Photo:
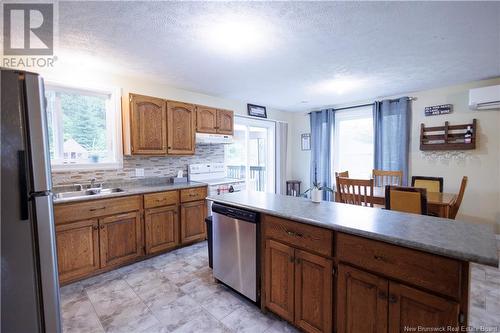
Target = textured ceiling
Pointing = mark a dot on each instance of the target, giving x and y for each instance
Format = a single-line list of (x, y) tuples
[(387, 47)]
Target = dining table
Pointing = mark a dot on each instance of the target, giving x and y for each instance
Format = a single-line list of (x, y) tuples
[(438, 203)]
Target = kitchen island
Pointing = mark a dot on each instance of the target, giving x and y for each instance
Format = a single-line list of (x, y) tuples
[(333, 267)]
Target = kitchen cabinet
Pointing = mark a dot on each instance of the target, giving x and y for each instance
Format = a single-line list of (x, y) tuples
[(181, 119), (298, 286), (193, 221), (161, 229), (369, 303), (206, 119), (120, 238), (225, 122), (77, 248), (144, 125), (215, 121)]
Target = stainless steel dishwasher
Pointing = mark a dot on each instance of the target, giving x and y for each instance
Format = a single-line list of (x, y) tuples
[(235, 249)]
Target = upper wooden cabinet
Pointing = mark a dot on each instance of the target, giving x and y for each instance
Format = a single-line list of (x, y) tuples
[(211, 120), (144, 125), (181, 120), (206, 119), (225, 121)]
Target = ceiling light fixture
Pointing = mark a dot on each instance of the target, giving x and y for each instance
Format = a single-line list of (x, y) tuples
[(237, 35), (339, 85)]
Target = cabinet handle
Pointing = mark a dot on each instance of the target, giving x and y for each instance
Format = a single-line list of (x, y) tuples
[(380, 258), (95, 227), (102, 227), (382, 295), (298, 261), (392, 299), (292, 259), (94, 209), (193, 194), (293, 233)]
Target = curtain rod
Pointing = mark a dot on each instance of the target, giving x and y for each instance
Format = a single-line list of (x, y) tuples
[(362, 105)]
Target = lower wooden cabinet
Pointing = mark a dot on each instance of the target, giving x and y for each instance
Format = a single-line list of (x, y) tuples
[(409, 307), (193, 221), (279, 283), (368, 303), (161, 229), (77, 248), (361, 301), (120, 238), (298, 286)]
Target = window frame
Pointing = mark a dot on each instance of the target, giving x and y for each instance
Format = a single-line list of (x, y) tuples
[(351, 114), (116, 123)]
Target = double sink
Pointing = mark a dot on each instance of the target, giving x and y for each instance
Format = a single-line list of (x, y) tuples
[(88, 192)]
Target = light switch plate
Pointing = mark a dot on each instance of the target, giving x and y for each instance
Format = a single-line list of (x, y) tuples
[(139, 172)]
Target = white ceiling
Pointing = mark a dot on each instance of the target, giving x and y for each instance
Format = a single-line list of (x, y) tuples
[(392, 47)]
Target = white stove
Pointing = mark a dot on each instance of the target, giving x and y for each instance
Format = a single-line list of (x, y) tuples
[(214, 174)]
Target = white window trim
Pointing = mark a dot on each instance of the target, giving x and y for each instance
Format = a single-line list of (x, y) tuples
[(115, 101)]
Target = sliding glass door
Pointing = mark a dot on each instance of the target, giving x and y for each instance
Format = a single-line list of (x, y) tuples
[(251, 157)]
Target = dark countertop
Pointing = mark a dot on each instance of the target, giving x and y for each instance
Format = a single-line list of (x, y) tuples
[(449, 238), (130, 188)]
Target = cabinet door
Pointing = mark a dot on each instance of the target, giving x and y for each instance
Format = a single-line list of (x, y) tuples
[(361, 301), (180, 128), (148, 125), (412, 308), (162, 229), (120, 238), (77, 249), (279, 275), (313, 292), (225, 121), (193, 221), (206, 119)]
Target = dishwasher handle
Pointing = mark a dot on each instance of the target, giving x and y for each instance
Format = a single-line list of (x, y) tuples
[(236, 213)]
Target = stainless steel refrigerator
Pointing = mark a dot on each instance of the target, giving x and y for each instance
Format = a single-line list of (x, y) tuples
[(30, 287)]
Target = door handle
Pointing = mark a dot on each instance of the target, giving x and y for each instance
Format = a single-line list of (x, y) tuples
[(23, 184)]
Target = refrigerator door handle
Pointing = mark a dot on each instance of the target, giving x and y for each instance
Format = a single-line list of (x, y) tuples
[(23, 185), (48, 262)]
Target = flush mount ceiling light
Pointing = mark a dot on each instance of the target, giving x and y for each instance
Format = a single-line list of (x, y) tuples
[(339, 86), (237, 35)]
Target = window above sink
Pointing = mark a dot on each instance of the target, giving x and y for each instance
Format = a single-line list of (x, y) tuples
[(84, 127)]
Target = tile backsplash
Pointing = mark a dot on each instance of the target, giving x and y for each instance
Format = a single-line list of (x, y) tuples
[(153, 166)]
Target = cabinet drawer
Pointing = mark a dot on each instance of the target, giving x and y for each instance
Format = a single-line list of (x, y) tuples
[(95, 208), (193, 194), (421, 269), (299, 235), (161, 199)]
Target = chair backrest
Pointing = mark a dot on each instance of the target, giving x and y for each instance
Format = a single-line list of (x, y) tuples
[(431, 184), (355, 191), (343, 174), (383, 177), (458, 201), (406, 199)]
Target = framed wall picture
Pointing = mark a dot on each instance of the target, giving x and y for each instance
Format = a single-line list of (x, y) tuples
[(256, 110), (305, 141)]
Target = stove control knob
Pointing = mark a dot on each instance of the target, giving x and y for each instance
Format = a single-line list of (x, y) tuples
[(231, 189)]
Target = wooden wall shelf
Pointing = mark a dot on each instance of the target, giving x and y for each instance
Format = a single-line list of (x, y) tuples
[(447, 137)]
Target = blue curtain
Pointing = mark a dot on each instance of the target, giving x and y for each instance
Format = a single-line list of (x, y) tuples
[(322, 127), (392, 123)]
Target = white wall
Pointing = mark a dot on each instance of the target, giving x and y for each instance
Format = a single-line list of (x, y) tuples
[(482, 197)]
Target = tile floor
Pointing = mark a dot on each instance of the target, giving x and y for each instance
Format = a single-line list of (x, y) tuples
[(175, 292)]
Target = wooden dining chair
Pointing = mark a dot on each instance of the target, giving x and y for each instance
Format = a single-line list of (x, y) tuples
[(343, 174), (431, 184), (406, 199), (458, 201), (355, 191), (383, 178)]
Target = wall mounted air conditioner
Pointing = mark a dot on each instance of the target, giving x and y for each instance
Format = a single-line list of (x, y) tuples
[(485, 98)]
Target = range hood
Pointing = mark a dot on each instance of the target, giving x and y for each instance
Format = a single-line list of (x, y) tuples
[(205, 138)]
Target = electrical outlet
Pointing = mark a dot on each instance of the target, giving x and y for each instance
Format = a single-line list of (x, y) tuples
[(139, 172)]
